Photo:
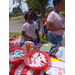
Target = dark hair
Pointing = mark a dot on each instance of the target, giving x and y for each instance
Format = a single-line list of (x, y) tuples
[(30, 8), (56, 2), (30, 14)]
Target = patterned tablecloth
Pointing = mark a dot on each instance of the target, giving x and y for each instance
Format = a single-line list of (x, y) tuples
[(22, 69)]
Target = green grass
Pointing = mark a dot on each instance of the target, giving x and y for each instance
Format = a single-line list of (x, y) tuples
[(22, 18), (38, 15), (63, 12), (42, 41)]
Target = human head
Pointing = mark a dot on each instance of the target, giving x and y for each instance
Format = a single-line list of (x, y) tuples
[(46, 15), (29, 17), (58, 5), (30, 9)]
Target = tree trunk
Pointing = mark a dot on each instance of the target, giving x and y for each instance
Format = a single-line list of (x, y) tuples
[(43, 12)]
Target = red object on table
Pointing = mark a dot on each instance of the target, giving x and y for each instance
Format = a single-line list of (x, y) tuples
[(15, 47), (19, 60), (55, 57), (21, 45), (22, 69), (10, 46), (40, 67)]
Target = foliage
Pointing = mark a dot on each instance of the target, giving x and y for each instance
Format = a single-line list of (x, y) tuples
[(34, 4), (64, 6), (20, 3), (38, 5), (17, 10)]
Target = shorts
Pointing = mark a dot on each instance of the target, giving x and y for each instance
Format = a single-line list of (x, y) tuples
[(55, 39), (30, 40)]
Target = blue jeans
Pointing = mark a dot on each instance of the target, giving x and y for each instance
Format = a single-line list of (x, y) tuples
[(26, 39), (55, 39)]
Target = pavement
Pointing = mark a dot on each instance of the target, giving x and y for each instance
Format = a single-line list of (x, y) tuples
[(14, 17), (16, 26)]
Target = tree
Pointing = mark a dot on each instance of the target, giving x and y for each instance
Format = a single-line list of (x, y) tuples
[(20, 3), (39, 5), (43, 4), (64, 6), (34, 4), (17, 10)]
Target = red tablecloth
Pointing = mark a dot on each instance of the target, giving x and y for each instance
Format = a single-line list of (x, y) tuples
[(22, 69)]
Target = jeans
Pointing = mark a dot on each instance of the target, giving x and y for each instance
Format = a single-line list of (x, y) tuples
[(26, 39), (55, 39)]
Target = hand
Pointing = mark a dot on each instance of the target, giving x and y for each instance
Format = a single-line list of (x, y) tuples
[(38, 40), (63, 28), (36, 20), (31, 38)]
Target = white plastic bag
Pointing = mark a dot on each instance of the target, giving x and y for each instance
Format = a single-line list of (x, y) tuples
[(61, 53), (15, 43)]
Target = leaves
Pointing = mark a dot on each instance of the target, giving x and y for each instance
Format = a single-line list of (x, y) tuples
[(34, 4), (17, 10)]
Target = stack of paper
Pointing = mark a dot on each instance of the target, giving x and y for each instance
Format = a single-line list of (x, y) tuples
[(55, 68)]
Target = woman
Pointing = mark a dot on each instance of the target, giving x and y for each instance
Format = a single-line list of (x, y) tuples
[(55, 23)]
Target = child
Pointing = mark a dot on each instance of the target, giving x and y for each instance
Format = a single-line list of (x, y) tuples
[(30, 28), (55, 23), (34, 15), (44, 31)]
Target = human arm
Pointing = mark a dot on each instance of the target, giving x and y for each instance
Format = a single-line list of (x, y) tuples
[(51, 28), (37, 33), (45, 23), (36, 17), (23, 34)]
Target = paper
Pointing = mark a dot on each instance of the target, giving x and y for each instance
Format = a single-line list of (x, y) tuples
[(55, 71), (61, 53), (56, 68)]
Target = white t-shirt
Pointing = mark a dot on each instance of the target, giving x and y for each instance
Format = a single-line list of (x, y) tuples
[(30, 28), (58, 20)]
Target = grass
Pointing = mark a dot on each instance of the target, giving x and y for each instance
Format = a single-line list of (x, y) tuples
[(38, 15), (42, 41), (63, 12), (20, 18)]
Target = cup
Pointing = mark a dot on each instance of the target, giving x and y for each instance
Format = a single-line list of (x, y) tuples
[(27, 46), (35, 40)]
